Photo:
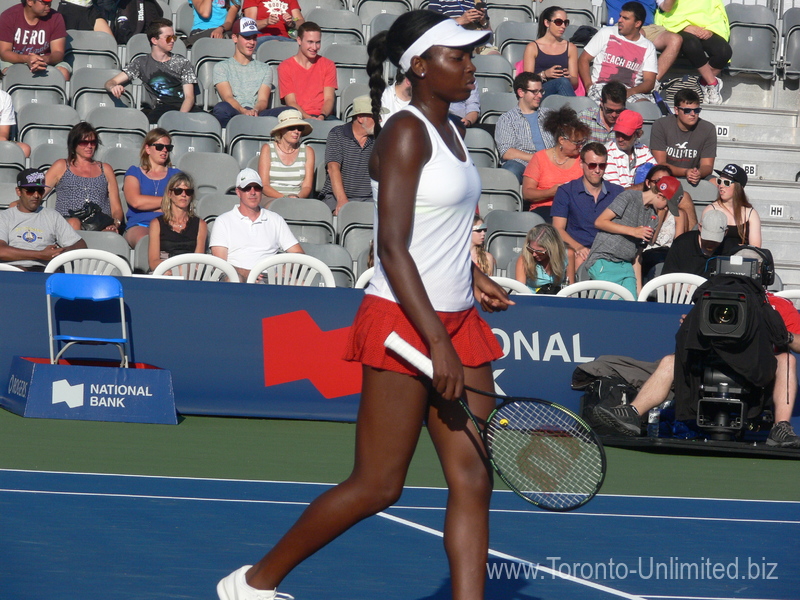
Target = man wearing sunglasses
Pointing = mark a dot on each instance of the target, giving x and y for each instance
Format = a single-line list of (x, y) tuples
[(602, 118), (248, 233), (621, 54), (519, 133), (30, 234), (684, 141), (168, 78), (34, 35)]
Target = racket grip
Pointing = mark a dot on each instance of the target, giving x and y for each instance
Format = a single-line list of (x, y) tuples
[(410, 354)]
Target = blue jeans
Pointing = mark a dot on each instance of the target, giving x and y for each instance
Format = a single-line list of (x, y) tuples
[(224, 112), (558, 87), (517, 168)]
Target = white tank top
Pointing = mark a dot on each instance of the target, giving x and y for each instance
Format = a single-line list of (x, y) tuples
[(447, 196)]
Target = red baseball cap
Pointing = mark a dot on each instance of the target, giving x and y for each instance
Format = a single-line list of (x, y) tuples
[(668, 187), (628, 122)]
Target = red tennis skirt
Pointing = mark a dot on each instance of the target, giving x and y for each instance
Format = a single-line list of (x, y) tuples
[(377, 318)]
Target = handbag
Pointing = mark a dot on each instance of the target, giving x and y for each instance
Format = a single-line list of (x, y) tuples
[(92, 217)]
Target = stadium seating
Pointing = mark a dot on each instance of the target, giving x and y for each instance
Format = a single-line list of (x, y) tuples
[(494, 74), (192, 132), (292, 269), (310, 220), (754, 39), (579, 11), (12, 161), (119, 127), (91, 49), (206, 53), (338, 26), (213, 172), (89, 92), (46, 124), (336, 258), (517, 11), (246, 135), (25, 88)]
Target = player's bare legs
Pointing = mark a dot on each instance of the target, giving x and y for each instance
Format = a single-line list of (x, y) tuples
[(469, 480)]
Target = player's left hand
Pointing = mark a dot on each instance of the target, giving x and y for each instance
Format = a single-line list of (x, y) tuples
[(491, 296)]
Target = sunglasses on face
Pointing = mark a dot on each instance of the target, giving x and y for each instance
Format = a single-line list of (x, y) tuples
[(295, 128), (690, 111), (160, 147), (252, 187), (170, 38), (579, 143), (593, 165), (560, 22), (33, 190), (724, 182), (612, 111), (183, 191), (536, 252), (479, 228), (87, 143)]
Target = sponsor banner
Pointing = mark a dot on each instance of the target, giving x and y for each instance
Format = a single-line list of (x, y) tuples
[(36, 388)]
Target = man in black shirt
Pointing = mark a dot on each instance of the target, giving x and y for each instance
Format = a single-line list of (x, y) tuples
[(691, 251)]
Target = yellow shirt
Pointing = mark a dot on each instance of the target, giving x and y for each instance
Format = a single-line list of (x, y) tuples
[(709, 14)]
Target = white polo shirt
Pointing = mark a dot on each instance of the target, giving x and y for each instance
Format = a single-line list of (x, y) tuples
[(249, 241)]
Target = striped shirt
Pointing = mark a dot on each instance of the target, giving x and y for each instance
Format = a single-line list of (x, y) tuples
[(343, 148), (287, 179), (620, 169), (591, 116)]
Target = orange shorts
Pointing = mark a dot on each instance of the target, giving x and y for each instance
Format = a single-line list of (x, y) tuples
[(377, 318)]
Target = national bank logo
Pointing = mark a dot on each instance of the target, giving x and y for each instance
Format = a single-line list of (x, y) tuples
[(72, 395)]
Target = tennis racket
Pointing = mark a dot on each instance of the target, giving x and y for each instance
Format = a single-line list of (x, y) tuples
[(545, 453)]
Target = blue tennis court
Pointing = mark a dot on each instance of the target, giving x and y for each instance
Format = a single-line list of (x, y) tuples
[(87, 537)]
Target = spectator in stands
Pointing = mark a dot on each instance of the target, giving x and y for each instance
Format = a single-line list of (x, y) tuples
[(30, 234), (577, 205), (669, 226), (466, 112), (307, 80), (168, 78), (8, 119), (602, 118), (626, 418), (470, 15), (550, 168), (542, 265), (551, 57), (286, 166), (621, 54), (243, 83), (703, 26), (684, 141), (347, 154), (667, 43), (83, 15), (144, 185), (616, 250), (691, 251), (212, 18), (519, 132), (33, 34), (247, 233), (480, 256), (80, 181), (396, 97), (626, 153), (744, 224), (178, 230), (275, 20)]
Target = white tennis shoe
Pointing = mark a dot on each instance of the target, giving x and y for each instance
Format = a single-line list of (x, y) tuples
[(235, 587)]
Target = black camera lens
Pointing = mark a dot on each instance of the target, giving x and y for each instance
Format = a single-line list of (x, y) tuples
[(723, 314)]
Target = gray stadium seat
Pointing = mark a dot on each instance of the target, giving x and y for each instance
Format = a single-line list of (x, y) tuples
[(310, 220), (338, 260), (213, 172), (518, 11), (481, 147), (89, 92), (45, 123), (505, 233), (754, 40), (351, 63), (184, 19), (350, 93), (791, 44), (12, 161), (649, 111), (26, 88), (500, 191), (44, 155), (494, 104), (207, 52), (511, 38), (354, 226), (367, 10), (210, 206), (306, 6), (494, 74), (108, 241), (381, 22), (338, 26), (120, 127), (120, 159), (578, 103), (91, 49), (192, 132), (579, 12), (274, 52), (246, 135)]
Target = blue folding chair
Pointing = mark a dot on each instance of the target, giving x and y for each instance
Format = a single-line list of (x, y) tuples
[(96, 288)]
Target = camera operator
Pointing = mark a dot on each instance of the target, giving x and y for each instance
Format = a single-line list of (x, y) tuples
[(626, 418), (691, 252)]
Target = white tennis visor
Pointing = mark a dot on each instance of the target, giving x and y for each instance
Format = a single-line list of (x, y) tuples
[(447, 33)]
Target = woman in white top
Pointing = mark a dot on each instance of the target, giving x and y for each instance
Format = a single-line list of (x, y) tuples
[(286, 166), (425, 286)]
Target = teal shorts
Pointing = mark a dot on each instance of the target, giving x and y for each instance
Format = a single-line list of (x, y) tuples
[(615, 272)]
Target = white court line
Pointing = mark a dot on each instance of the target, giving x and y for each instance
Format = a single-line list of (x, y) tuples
[(504, 556), (705, 598)]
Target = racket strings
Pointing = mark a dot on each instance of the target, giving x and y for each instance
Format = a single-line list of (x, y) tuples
[(545, 454)]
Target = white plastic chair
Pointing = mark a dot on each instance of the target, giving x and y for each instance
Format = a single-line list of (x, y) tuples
[(90, 262), (8, 267), (597, 289), (364, 278), (291, 269), (513, 286), (198, 267), (673, 288)]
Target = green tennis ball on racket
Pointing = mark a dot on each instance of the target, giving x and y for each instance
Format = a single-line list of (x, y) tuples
[(504, 422)]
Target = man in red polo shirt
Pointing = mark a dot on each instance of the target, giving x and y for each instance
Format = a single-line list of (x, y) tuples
[(307, 80)]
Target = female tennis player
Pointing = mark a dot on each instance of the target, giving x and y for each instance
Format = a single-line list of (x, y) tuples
[(424, 287)]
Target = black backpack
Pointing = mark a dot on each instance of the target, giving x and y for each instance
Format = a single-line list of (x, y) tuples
[(130, 17)]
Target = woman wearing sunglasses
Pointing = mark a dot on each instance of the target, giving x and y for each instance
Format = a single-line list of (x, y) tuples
[(145, 185), (483, 259), (80, 181), (286, 166), (178, 230), (744, 223), (552, 57), (543, 261)]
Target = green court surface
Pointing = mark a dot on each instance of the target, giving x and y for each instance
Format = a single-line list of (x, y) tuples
[(281, 450)]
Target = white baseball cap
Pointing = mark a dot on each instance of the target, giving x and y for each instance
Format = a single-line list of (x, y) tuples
[(246, 177)]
